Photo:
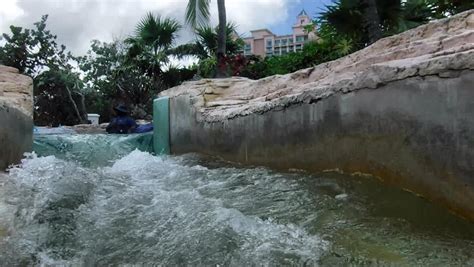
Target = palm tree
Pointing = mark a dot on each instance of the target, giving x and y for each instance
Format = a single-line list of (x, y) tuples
[(378, 17), (371, 20), (148, 47), (445, 8), (157, 32), (197, 15), (415, 13), (206, 43)]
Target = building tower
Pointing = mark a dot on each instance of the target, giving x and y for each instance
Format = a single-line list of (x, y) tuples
[(265, 43)]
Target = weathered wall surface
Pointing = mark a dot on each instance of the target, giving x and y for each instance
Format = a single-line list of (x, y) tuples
[(401, 109), (16, 116)]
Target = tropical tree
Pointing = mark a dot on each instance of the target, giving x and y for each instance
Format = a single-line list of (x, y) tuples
[(111, 78), (148, 47), (58, 98), (415, 13), (57, 87), (206, 44), (378, 18), (197, 15), (371, 20), (445, 8), (133, 71), (33, 50), (363, 21)]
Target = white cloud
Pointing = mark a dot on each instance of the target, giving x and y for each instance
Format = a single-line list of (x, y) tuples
[(77, 22), (251, 15), (9, 11)]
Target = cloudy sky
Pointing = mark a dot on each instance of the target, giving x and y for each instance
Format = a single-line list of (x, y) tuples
[(77, 22)]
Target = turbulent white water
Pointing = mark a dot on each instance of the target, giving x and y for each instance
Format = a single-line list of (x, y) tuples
[(82, 206)]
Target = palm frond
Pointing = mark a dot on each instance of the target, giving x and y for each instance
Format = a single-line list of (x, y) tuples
[(191, 49), (157, 32), (198, 13)]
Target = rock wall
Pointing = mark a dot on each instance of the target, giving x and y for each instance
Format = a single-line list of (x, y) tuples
[(16, 116), (401, 109)]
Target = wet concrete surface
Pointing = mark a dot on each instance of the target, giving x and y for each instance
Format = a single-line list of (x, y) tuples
[(414, 133), (16, 135)]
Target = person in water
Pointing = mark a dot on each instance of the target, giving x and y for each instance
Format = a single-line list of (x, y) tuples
[(122, 123)]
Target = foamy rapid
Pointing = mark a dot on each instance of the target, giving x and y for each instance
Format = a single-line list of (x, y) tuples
[(96, 200)]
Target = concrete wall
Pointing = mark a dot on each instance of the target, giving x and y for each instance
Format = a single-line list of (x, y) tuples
[(416, 133), (16, 116), (258, 47), (16, 135)]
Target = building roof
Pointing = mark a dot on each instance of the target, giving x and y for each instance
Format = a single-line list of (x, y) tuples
[(262, 30), (283, 36), (302, 13)]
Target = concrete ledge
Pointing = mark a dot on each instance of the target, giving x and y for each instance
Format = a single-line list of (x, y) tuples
[(415, 133)]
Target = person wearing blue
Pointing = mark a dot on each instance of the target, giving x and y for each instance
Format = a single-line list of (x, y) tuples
[(122, 123)]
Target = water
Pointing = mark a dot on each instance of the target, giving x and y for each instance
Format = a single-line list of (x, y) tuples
[(93, 200)]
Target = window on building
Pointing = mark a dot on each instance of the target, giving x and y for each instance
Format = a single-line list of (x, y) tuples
[(269, 43), (277, 42), (283, 42), (290, 40), (269, 54), (247, 49), (298, 47), (300, 39), (277, 51), (291, 48)]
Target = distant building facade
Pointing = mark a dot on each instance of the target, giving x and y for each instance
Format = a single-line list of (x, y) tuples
[(264, 43)]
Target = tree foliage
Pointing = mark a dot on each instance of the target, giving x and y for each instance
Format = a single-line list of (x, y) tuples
[(133, 71), (342, 29), (148, 48), (349, 17), (32, 50), (130, 72), (157, 33), (57, 88), (314, 52), (197, 15), (205, 45), (205, 49), (110, 80), (445, 8), (58, 98)]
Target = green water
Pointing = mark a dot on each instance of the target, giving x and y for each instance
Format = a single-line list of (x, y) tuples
[(94, 200)]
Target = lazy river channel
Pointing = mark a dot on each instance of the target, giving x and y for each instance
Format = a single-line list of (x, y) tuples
[(98, 200)]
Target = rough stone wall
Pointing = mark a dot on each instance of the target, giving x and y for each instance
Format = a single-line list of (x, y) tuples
[(401, 109), (16, 115)]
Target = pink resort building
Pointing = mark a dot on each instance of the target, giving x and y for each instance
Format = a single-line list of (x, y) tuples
[(265, 43)]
